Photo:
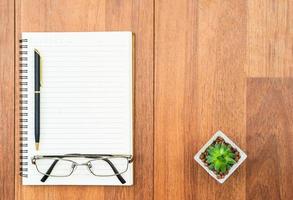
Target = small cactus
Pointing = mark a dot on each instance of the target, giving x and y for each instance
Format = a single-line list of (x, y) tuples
[(220, 158)]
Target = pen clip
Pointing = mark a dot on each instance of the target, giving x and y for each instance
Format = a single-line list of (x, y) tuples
[(41, 68), (41, 71)]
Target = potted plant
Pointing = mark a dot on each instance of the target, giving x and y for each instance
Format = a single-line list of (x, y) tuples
[(220, 157)]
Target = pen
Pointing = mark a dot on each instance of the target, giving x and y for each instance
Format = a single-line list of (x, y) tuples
[(37, 97)]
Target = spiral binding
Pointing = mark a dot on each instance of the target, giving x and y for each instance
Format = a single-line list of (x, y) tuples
[(23, 77)]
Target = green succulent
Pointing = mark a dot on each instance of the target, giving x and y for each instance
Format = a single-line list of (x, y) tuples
[(220, 157)]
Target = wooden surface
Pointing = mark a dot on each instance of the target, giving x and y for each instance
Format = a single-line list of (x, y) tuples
[(199, 89), (269, 138), (194, 63), (6, 100), (269, 38)]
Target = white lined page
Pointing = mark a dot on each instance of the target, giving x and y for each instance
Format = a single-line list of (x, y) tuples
[(86, 99)]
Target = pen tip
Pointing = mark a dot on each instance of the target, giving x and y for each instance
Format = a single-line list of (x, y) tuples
[(37, 146)]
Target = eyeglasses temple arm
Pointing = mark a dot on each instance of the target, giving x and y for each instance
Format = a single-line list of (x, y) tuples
[(121, 179), (45, 177)]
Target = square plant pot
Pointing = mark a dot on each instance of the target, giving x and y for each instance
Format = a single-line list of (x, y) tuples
[(207, 159)]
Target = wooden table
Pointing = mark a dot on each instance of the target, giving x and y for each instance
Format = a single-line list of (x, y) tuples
[(200, 66)]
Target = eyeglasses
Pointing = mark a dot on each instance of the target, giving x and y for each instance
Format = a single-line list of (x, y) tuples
[(102, 165)]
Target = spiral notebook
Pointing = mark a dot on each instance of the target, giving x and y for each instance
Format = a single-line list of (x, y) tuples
[(86, 100)]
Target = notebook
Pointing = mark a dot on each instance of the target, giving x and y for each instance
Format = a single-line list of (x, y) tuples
[(86, 100)]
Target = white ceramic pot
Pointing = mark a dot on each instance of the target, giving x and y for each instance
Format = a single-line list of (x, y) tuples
[(243, 156)]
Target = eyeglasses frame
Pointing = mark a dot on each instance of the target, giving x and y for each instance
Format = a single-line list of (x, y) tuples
[(104, 157)]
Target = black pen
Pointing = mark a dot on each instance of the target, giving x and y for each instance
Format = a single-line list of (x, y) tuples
[(37, 97)]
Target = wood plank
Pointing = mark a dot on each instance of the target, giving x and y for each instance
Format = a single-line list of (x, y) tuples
[(199, 88), (269, 138), (110, 15), (7, 100), (175, 46), (270, 38), (221, 87)]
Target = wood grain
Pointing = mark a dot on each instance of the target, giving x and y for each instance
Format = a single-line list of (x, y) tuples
[(221, 87), (199, 88), (7, 100), (270, 38), (192, 62), (175, 48), (269, 138), (104, 15)]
